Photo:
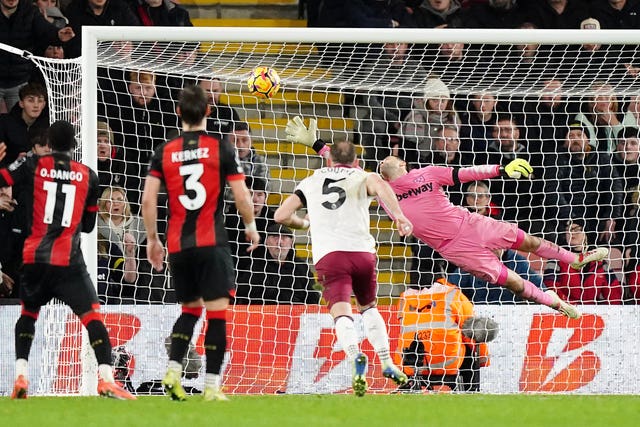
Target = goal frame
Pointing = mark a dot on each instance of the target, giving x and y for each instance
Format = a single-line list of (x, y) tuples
[(91, 35)]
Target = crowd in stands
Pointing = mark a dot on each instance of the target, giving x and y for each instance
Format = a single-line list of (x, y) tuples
[(584, 149)]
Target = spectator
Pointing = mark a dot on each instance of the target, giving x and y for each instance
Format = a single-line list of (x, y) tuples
[(626, 165), (557, 14), (111, 166), (143, 122), (632, 115), (594, 284), (478, 123), (477, 198), (616, 14), (379, 128), (632, 274), (23, 26), (547, 119), (222, 117), (429, 113), (26, 118), (601, 116), (238, 244), (350, 14), (253, 164), (96, 12), (432, 347), (160, 13), (495, 14), (585, 186), (49, 9), (54, 52), (515, 196), (439, 14), (10, 249), (115, 219), (455, 63), (278, 276), (117, 270)]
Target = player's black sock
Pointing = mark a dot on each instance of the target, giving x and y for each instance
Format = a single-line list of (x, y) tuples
[(99, 340), (25, 330), (215, 344), (181, 336)]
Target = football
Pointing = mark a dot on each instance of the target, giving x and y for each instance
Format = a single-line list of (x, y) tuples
[(264, 82)]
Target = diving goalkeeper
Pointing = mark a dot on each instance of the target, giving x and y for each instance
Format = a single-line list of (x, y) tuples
[(467, 239)]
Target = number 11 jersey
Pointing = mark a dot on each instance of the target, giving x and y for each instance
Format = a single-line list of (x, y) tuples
[(65, 196), (337, 201)]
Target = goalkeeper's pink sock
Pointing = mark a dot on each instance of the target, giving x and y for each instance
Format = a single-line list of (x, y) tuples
[(548, 250), (532, 293)]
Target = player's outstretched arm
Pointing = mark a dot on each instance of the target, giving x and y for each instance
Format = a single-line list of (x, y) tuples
[(376, 186), (155, 250), (286, 213), (298, 133), (244, 204)]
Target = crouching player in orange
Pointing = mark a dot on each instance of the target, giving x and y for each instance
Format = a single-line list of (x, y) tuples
[(441, 344)]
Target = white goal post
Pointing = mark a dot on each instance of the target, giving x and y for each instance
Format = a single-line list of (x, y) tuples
[(359, 90)]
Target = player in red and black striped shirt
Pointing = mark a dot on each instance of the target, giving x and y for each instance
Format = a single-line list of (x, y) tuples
[(194, 168), (65, 196)]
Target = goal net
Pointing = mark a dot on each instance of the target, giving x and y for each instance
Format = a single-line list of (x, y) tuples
[(566, 101)]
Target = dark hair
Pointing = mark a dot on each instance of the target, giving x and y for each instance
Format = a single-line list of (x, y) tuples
[(629, 132), (193, 104), (39, 137), (256, 184), (241, 126), (62, 136), (343, 152), (32, 89)]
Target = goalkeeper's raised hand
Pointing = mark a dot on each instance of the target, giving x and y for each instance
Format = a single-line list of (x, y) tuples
[(297, 132), (518, 168)]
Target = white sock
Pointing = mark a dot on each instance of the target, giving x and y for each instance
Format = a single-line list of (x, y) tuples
[(22, 367), (174, 366), (106, 373), (347, 337), (377, 335), (213, 380)]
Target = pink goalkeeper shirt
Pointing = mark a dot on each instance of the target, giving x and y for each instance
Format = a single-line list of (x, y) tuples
[(421, 195)]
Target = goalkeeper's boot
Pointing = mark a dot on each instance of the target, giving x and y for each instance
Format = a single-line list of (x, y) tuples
[(113, 391), (20, 388), (598, 254), (214, 394), (391, 371), (360, 375), (172, 386), (564, 307)]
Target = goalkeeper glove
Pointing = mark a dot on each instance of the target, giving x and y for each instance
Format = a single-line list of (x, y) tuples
[(297, 132), (518, 168)]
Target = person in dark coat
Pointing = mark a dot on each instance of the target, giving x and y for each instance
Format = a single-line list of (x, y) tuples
[(160, 13), (82, 13), (23, 27)]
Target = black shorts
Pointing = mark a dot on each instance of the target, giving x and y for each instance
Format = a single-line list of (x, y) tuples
[(205, 273), (71, 285)]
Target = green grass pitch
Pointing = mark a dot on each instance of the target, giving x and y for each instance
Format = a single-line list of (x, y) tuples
[(328, 410)]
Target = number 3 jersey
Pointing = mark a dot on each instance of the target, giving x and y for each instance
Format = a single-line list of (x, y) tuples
[(64, 203), (194, 168), (338, 206)]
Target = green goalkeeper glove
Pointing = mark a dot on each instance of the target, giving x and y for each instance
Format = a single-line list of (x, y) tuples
[(297, 132), (518, 168)]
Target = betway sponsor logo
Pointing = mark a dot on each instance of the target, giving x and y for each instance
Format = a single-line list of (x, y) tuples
[(415, 191)]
